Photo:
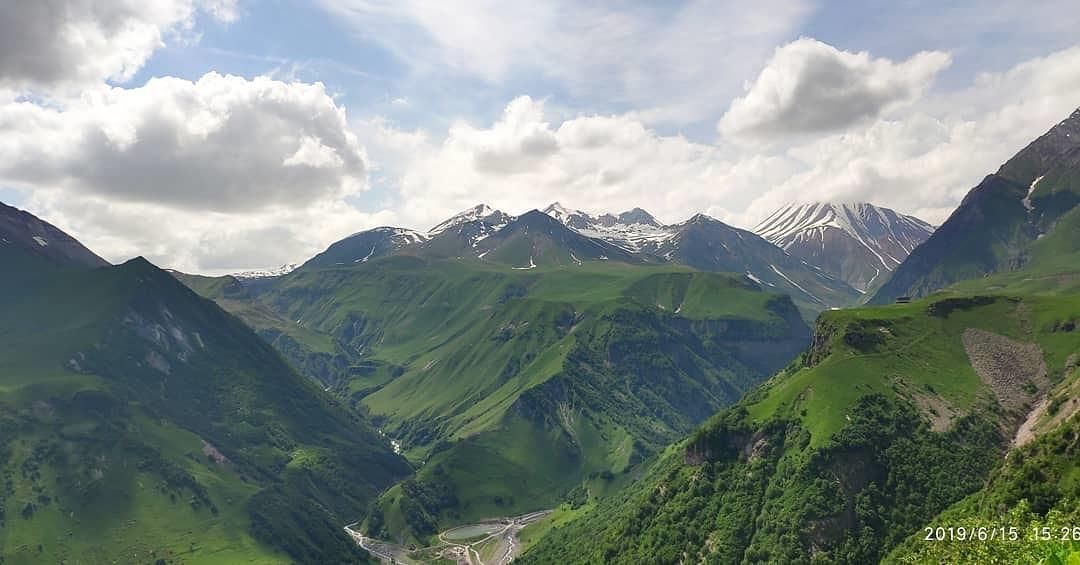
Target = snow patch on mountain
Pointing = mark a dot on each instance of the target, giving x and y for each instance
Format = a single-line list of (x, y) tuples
[(267, 273), (796, 285), (1031, 190), (401, 236)]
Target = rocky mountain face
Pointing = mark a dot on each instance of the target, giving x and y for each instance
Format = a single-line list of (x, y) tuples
[(1021, 217), (858, 243)]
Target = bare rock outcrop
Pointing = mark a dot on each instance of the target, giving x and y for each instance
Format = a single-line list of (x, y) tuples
[(1014, 370)]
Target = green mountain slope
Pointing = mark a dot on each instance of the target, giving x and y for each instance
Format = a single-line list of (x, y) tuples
[(1000, 225), (140, 422), (893, 414), (1030, 508), (313, 354), (512, 387)]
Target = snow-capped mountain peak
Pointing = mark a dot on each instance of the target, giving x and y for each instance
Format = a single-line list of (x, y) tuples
[(478, 212), (571, 218), (855, 241), (561, 213)]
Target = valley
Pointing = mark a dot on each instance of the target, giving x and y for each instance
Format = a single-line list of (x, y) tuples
[(491, 542), (545, 388)]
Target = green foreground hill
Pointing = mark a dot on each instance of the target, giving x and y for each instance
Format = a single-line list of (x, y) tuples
[(141, 423), (894, 414)]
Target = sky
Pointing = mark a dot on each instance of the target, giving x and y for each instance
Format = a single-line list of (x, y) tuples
[(216, 136)]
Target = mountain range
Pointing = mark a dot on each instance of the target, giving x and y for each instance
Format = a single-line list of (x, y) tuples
[(527, 320), (560, 236)]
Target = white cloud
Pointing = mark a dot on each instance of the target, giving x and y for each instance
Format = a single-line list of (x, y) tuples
[(596, 163), (313, 154), (198, 175), (668, 61), (202, 242), (222, 143), (222, 10), (925, 160), (227, 173), (809, 86), (47, 44)]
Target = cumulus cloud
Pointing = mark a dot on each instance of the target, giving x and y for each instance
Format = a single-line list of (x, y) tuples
[(55, 43), (596, 163), (199, 174), (221, 143), (226, 173), (809, 86)]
